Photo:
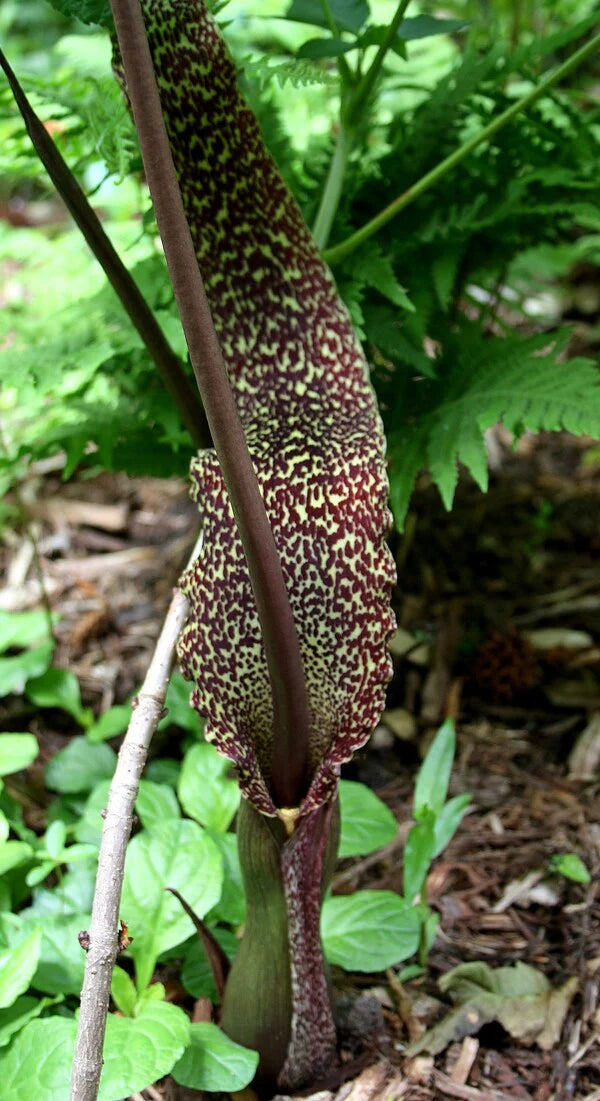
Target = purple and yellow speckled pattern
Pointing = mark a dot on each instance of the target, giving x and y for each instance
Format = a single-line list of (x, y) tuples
[(314, 433)]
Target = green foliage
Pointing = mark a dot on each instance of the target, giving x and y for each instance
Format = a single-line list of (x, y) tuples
[(367, 824), (571, 866), (369, 930), (212, 1061)]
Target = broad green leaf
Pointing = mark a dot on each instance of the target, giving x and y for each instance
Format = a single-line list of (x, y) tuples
[(317, 48), (231, 907), (369, 930), (178, 854), (22, 629), (13, 853), (88, 829), (80, 766), (54, 839), (17, 751), (153, 993), (425, 26), (73, 895), (59, 688), (17, 967), (348, 15), (40, 1056), (62, 960), (196, 974), (136, 1053), (123, 991), (15, 1018), (367, 823), (204, 790), (164, 770), (448, 820), (113, 722), (155, 803), (4, 827), (16, 671), (179, 709), (139, 1050), (213, 1062), (418, 854), (431, 787)]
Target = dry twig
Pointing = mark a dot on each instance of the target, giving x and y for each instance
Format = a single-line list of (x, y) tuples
[(103, 932)]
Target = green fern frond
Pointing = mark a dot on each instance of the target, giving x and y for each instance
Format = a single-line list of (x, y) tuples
[(299, 72), (521, 382)]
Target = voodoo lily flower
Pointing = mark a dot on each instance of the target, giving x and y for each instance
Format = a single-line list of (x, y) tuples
[(302, 388)]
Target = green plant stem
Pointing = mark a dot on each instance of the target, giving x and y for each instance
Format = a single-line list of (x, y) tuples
[(365, 87), (174, 377), (339, 252), (333, 187), (422, 952), (289, 779), (343, 66)]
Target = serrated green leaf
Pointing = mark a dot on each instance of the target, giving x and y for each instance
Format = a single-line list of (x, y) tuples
[(433, 777), (177, 854), (205, 791), (369, 930), (17, 967), (213, 1062), (80, 766), (155, 803), (59, 688), (366, 822), (17, 751)]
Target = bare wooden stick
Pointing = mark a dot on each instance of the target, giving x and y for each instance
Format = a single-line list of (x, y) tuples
[(103, 931)]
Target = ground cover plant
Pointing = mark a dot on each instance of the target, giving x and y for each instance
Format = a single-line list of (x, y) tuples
[(432, 334)]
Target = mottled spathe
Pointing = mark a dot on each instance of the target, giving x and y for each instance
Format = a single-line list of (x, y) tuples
[(314, 433)]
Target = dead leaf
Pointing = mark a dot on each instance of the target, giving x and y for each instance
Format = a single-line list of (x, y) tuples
[(519, 997)]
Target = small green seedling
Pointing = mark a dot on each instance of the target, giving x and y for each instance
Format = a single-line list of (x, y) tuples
[(571, 866), (436, 822)]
